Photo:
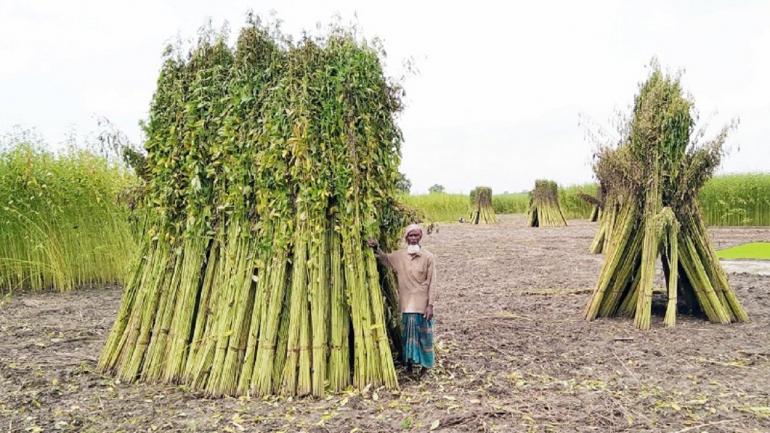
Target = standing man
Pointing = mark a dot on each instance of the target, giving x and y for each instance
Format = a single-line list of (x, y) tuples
[(417, 293)]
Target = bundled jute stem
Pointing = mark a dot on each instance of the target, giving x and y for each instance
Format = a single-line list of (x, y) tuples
[(596, 213), (544, 209), (652, 179), (610, 208), (481, 206), (269, 166), (596, 202)]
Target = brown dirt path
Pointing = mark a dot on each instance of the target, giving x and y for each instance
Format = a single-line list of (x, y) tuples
[(514, 355)]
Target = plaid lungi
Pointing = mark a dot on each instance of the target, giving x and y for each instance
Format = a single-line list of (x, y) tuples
[(417, 339)]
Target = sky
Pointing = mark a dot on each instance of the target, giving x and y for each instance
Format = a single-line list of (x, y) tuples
[(498, 94)]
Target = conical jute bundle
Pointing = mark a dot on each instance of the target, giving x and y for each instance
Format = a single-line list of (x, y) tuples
[(481, 206), (655, 174), (270, 165), (544, 209)]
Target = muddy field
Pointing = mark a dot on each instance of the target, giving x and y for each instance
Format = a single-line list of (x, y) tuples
[(513, 353)]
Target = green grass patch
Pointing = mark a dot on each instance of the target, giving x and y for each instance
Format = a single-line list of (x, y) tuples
[(752, 250)]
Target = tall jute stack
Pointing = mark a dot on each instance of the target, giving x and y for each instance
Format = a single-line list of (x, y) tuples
[(270, 164)]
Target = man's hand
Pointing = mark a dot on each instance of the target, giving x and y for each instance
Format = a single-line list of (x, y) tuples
[(373, 244), (428, 312)]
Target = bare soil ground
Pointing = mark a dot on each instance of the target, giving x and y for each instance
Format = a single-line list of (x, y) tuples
[(513, 353)]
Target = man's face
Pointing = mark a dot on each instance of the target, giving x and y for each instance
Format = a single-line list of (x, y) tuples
[(413, 238)]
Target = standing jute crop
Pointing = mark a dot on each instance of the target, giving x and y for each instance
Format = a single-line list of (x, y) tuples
[(544, 209), (269, 165), (61, 224), (481, 206), (655, 174)]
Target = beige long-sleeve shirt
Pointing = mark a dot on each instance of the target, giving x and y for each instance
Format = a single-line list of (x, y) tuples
[(416, 275)]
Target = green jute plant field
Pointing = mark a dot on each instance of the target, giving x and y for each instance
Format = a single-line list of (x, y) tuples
[(63, 223), (737, 200)]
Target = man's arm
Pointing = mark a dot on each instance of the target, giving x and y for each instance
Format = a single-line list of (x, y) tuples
[(432, 288), (382, 256)]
